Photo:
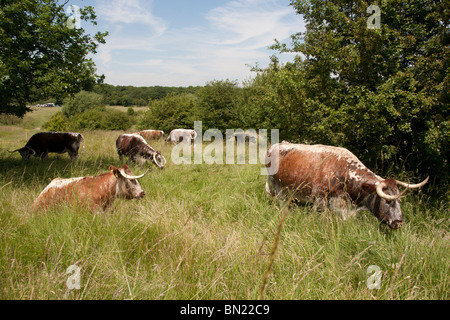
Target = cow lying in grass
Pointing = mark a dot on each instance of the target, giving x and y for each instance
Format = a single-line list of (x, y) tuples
[(96, 192)]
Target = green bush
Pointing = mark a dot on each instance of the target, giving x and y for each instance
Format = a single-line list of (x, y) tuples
[(101, 118), (81, 102), (88, 120), (174, 111), (115, 120), (57, 123)]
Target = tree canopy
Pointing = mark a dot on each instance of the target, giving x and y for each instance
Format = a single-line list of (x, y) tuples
[(43, 54), (381, 92)]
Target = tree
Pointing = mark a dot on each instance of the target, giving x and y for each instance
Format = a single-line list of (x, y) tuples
[(42, 54), (218, 104), (82, 101), (383, 93), (172, 112)]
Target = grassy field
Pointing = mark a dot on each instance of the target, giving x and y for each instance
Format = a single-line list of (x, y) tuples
[(205, 232)]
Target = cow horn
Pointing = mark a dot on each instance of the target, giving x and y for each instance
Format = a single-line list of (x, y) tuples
[(385, 196), (412, 186), (34, 152), (159, 164), (122, 172), (14, 150)]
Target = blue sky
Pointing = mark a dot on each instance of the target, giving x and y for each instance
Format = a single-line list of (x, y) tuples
[(190, 42)]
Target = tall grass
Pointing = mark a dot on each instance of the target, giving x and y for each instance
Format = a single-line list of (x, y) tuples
[(207, 232)]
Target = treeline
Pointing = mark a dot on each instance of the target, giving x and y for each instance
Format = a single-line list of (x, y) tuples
[(136, 96)]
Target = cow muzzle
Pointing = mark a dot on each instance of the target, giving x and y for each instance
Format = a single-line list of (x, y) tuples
[(140, 195), (396, 224)]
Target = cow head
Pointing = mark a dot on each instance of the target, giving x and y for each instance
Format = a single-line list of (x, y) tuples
[(25, 152), (127, 185), (384, 200), (154, 156), (158, 159)]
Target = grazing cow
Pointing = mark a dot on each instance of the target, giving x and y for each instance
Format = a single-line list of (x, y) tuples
[(151, 134), (136, 148), (41, 143), (97, 192), (332, 176), (178, 135)]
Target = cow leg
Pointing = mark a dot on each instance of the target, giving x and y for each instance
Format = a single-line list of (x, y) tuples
[(269, 186), (120, 156), (274, 189), (73, 156), (343, 206)]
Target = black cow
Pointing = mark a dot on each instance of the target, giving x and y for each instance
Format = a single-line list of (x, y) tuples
[(136, 148), (42, 143)]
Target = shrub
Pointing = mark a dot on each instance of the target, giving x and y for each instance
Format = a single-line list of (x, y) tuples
[(101, 118), (81, 102), (57, 123)]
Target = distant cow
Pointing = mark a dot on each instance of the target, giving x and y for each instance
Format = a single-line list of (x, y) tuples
[(97, 192), (136, 148), (42, 143), (332, 176), (179, 135), (151, 134)]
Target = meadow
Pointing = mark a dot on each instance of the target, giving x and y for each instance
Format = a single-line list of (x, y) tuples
[(205, 232)]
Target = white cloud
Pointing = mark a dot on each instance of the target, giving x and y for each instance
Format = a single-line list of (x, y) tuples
[(131, 12), (219, 47), (257, 22)]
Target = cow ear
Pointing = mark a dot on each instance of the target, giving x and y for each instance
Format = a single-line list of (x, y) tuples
[(368, 187), (115, 171), (125, 167)]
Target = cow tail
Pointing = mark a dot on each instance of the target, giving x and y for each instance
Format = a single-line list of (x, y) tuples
[(82, 138)]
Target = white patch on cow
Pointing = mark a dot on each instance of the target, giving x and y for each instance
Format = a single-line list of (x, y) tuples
[(340, 153), (59, 183), (354, 176), (319, 148), (139, 137)]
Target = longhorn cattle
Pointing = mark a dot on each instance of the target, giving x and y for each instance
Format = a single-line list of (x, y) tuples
[(179, 135), (335, 177), (97, 192), (151, 134), (42, 143), (136, 148)]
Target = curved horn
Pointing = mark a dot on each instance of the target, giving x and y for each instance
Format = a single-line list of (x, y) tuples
[(159, 164), (412, 186), (34, 152), (122, 172), (385, 196), (14, 150)]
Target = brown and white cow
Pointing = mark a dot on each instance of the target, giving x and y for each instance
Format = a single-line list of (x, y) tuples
[(42, 143), (151, 134), (96, 192), (135, 147), (333, 176), (179, 135)]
